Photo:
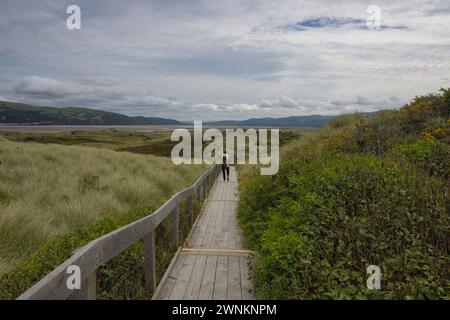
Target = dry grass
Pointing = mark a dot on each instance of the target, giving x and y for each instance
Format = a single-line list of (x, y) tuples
[(48, 189)]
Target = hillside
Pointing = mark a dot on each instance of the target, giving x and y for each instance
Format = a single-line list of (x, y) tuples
[(19, 113), (361, 191), (313, 121)]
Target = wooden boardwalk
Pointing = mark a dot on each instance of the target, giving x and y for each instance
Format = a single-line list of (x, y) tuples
[(213, 264)]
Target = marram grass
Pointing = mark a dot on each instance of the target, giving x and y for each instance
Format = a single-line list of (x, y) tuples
[(48, 190)]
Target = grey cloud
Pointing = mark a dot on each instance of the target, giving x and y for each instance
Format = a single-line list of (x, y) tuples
[(221, 60), (226, 62), (371, 105), (44, 88)]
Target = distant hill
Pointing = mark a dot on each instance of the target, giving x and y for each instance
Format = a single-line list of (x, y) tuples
[(18, 113), (313, 121)]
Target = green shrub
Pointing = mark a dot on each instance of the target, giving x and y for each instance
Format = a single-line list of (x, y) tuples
[(326, 217), (429, 155), (361, 191), (428, 115)]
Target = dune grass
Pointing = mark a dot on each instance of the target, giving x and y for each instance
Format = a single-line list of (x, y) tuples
[(155, 142), (48, 190)]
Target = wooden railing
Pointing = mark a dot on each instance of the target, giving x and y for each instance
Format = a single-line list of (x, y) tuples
[(99, 251)]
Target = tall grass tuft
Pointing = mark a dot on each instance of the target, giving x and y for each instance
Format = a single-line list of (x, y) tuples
[(51, 190)]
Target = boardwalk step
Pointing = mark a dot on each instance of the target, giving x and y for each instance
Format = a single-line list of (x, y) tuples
[(217, 252)]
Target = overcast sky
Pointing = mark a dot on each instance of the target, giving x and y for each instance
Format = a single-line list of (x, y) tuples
[(223, 59)]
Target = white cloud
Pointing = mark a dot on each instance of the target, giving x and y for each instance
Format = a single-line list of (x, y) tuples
[(44, 87)]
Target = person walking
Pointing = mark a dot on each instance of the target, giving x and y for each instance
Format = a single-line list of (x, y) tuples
[(226, 167)]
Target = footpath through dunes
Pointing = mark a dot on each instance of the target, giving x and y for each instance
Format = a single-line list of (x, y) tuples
[(213, 264)]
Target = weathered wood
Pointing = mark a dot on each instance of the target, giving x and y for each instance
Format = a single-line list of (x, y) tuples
[(207, 287), (221, 279), (103, 249), (88, 290), (167, 282), (218, 252), (190, 209), (150, 261), (234, 291), (195, 281), (179, 289), (216, 231), (198, 196), (248, 291), (174, 219)]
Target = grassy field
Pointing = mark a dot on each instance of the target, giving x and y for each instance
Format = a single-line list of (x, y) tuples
[(156, 143), (49, 190), (361, 191)]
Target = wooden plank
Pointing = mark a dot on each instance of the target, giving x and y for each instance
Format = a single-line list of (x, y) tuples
[(223, 234), (215, 231), (164, 289), (174, 220), (221, 279), (209, 274), (190, 208), (234, 279), (239, 234), (150, 261), (208, 221), (217, 252), (204, 238), (195, 282), (228, 230), (179, 289), (88, 290), (248, 291), (231, 241)]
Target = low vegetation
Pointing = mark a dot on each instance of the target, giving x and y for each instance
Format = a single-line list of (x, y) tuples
[(155, 142), (361, 191), (55, 198)]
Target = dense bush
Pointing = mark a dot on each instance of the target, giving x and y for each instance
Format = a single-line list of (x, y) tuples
[(361, 191), (330, 216), (429, 155)]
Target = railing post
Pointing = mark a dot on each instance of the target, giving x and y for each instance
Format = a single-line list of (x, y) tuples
[(205, 189), (150, 260), (174, 226), (211, 181), (197, 195), (190, 208), (88, 290)]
